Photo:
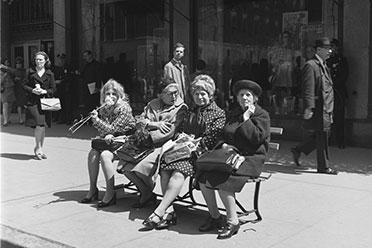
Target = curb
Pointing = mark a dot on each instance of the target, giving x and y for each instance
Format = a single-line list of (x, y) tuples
[(11, 237)]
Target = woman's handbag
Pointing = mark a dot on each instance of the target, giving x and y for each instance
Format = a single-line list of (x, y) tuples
[(181, 148), (220, 160), (100, 144), (131, 153), (50, 104)]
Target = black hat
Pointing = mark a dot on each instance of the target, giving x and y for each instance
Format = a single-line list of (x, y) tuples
[(61, 55), (322, 42), (247, 84)]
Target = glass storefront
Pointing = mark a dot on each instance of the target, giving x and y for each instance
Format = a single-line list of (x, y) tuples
[(136, 34), (267, 41)]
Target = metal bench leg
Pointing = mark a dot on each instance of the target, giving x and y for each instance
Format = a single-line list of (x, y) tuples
[(255, 201), (191, 190)]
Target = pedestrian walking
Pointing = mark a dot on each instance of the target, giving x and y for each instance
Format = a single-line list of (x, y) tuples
[(318, 102), (40, 83)]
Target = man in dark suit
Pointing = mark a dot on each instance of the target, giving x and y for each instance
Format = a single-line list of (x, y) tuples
[(91, 74), (318, 101), (338, 65)]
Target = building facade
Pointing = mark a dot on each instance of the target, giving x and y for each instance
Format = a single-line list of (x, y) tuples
[(265, 40)]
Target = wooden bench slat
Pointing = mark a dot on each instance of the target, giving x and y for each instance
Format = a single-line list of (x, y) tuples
[(274, 145), (276, 130)]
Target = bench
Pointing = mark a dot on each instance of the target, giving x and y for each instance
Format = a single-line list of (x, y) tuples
[(189, 198)]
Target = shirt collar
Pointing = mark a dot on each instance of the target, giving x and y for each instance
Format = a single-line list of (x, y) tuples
[(320, 59)]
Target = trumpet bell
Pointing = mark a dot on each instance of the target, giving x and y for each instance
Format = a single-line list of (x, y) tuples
[(78, 124)]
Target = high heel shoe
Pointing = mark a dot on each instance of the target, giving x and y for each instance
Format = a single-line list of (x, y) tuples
[(102, 204), (94, 197), (139, 204), (149, 223), (38, 155), (168, 221), (228, 231)]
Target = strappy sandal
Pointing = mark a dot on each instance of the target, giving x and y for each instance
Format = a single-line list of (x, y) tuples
[(149, 223)]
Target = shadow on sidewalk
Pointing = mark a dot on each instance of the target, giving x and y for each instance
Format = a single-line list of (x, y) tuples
[(17, 156), (350, 160), (189, 218), (57, 130)]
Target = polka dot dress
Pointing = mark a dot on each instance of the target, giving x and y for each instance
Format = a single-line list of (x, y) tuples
[(214, 118), (185, 166)]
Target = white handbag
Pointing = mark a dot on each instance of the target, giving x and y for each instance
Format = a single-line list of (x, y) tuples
[(50, 104)]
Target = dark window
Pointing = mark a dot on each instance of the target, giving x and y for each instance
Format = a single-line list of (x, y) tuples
[(131, 19), (31, 11), (315, 11)]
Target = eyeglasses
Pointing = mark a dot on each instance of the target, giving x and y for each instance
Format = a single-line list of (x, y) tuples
[(171, 93)]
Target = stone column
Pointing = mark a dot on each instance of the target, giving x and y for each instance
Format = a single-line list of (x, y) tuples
[(60, 29)]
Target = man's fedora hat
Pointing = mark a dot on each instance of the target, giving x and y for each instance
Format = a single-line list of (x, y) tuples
[(322, 42), (249, 85)]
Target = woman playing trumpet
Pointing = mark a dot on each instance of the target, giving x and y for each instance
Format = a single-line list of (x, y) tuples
[(113, 119)]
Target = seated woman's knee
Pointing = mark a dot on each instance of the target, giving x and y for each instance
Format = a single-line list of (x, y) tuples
[(177, 175), (106, 154)]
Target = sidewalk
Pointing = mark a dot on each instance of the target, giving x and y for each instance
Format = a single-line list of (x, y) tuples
[(300, 208)]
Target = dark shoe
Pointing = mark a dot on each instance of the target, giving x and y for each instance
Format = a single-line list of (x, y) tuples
[(228, 231), (5, 124), (94, 197), (165, 223), (102, 204), (139, 204), (211, 224), (44, 156), (149, 223), (296, 155), (328, 171)]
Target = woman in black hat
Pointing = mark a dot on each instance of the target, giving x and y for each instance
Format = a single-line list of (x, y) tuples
[(247, 130)]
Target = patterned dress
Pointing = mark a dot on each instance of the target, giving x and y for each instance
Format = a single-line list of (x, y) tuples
[(117, 122), (213, 120)]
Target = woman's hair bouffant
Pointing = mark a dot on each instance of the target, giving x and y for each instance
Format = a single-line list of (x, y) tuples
[(203, 82), (48, 64)]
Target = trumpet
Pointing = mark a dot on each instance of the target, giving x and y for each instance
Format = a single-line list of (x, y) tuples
[(83, 120)]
